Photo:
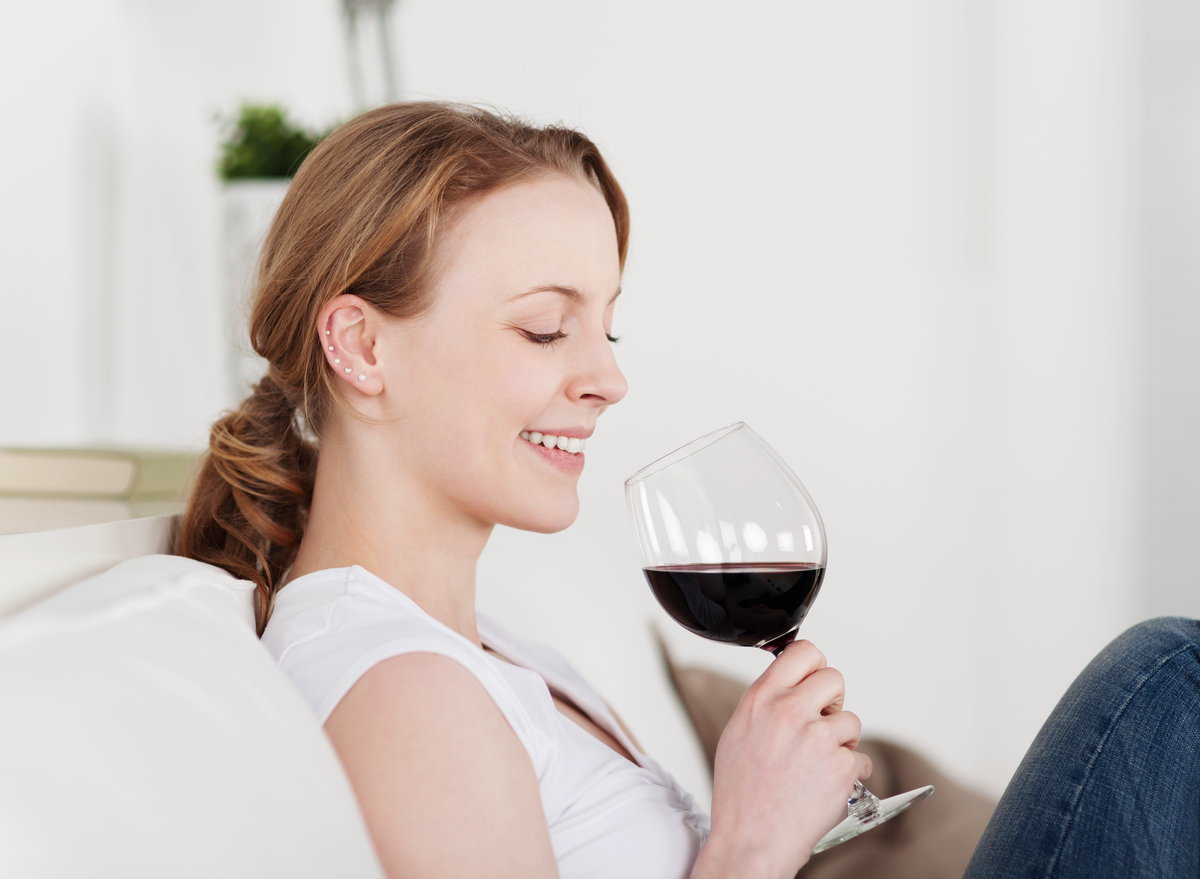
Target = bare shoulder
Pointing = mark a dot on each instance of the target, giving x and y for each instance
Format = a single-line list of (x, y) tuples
[(445, 784)]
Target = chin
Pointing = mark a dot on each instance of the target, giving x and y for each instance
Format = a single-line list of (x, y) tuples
[(546, 519)]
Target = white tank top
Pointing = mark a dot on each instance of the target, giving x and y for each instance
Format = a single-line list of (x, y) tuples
[(607, 817)]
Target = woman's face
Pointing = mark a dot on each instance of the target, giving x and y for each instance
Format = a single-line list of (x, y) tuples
[(516, 344)]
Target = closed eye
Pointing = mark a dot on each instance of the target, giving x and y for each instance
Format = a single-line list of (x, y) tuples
[(551, 338), (544, 338)]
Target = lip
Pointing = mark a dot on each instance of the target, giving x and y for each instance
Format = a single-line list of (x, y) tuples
[(564, 462)]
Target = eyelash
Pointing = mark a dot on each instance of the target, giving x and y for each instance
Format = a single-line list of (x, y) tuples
[(544, 338), (551, 338)]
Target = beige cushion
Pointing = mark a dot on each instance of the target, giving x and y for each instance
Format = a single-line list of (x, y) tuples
[(146, 732)]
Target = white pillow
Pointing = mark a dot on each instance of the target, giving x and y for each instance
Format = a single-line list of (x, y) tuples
[(144, 731)]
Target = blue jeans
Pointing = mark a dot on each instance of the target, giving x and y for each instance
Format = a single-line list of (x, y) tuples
[(1111, 785)]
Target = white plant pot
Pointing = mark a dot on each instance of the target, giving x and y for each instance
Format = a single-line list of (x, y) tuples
[(248, 206)]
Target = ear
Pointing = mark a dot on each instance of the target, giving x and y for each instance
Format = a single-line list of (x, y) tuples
[(349, 333)]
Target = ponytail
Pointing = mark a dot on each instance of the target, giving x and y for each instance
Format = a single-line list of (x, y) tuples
[(252, 495)]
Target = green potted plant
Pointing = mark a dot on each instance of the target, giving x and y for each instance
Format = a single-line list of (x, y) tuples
[(262, 143), (260, 150)]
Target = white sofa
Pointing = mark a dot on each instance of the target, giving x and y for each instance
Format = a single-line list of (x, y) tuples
[(145, 731)]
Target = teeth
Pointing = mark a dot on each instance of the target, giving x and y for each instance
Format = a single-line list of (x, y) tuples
[(572, 444)]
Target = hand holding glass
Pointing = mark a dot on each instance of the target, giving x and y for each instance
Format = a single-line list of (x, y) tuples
[(734, 550)]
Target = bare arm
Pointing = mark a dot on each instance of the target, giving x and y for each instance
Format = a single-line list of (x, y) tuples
[(445, 785)]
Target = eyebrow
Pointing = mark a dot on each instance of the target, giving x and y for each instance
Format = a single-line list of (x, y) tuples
[(570, 292)]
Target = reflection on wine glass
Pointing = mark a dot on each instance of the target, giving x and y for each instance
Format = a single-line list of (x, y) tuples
[(734, 550)]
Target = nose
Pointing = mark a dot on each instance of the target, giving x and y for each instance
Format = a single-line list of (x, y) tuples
[(599, 380)]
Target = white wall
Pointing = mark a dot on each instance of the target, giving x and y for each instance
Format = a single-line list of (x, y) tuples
[(903, 240), (110, 233), (1169, 235)]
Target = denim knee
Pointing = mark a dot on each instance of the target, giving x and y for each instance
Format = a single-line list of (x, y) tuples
[(1162, 634), (1111, 786)]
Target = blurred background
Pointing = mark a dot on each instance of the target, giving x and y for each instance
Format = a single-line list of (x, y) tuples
[(940, 253)]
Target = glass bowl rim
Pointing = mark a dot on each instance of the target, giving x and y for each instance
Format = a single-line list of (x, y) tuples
[(686, 451)]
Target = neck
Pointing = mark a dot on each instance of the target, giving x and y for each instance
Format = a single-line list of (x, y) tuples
[(368, 510)]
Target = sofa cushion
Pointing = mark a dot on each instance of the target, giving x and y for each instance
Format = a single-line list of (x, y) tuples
[(146, 732)]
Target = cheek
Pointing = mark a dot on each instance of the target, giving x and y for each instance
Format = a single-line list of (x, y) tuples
[(532, 391), (516, 390), (448, 384), (476, 397)]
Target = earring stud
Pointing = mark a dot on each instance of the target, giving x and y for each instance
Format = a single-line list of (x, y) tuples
[(330, 347), (327, 332), (362, 377), (348, 370)]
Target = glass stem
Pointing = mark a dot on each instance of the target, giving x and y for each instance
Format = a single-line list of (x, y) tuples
[(773, 647), (863, 805)]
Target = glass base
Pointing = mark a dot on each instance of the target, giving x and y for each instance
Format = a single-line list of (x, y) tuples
[(869, 815)]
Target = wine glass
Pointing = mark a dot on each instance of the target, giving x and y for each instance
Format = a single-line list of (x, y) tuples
[(734, 551)]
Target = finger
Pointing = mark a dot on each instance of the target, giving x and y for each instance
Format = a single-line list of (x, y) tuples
[(865, 766), (846, 728), (824, 690), (794, 663)]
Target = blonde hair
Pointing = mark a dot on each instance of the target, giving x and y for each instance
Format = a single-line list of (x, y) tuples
[(361, 216)]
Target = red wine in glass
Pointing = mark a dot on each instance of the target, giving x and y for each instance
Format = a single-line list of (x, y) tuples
[(734, 550), (754, 605)]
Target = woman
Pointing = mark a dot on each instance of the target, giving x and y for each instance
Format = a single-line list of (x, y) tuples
[(434, 301)]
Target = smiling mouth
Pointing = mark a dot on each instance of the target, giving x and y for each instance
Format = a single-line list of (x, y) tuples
[(571, 444)]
